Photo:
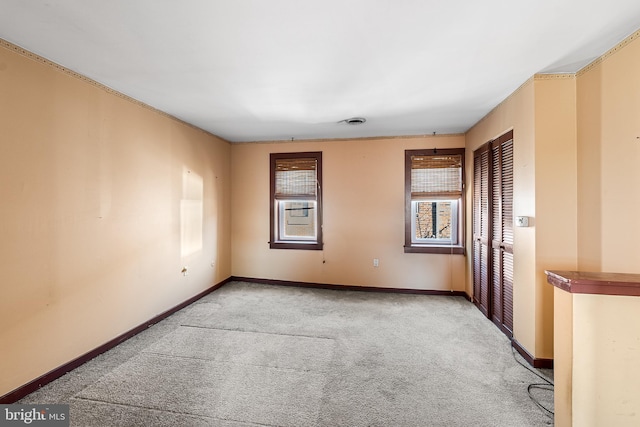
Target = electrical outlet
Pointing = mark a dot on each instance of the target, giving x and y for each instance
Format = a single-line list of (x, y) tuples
[(376, 262)]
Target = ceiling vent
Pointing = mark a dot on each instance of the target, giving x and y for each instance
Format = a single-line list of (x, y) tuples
[(353, 121)]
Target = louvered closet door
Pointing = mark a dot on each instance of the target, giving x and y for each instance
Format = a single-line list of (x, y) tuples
[(481, 229), (493, 231), (502, 233)]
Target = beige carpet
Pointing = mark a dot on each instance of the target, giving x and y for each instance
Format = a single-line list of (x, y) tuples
[(258, 355)]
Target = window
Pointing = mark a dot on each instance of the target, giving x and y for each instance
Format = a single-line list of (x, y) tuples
[(434, 201), (296, 200), (434, 221)]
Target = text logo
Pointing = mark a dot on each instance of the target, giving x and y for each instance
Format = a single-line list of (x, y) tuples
[(34, 415)]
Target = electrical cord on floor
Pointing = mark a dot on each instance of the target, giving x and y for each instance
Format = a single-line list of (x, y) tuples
[(547, 385)]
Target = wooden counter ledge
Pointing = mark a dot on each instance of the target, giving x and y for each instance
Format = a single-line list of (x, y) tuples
[(583, 282)]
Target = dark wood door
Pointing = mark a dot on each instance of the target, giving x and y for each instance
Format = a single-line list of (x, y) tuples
[(502, 233), (481, 237), (493, 231)]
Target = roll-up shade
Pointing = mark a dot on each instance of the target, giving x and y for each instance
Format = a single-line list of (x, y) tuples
[(295, 177), (436, 175)]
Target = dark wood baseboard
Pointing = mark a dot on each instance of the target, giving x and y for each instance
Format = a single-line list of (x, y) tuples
[(482, 309), (349, 287), (536, 363), (32, 386), (508, 332)]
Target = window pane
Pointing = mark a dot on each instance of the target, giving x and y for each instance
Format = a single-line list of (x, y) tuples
[(297, 220), (435, 220)]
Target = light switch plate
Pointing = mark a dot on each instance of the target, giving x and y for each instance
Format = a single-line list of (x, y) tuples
[(522, 221)]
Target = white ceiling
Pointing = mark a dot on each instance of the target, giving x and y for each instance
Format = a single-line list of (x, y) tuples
[(250, 70)]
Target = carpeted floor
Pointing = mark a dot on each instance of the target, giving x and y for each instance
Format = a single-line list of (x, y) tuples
[(258, 355)]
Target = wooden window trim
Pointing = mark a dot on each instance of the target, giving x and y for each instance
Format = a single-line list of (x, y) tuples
[(409, 247), (273, 241)]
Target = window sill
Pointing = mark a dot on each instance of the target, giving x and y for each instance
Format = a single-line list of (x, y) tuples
[(310, 246), (432, 249)]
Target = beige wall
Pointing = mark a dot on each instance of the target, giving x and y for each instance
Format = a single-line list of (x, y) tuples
[(606, 372), (542, 115), (589, 131), (609, 111), (563, 357), (556, 193), (517, 113), (605, 328), (363, 209), (103, 202)]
